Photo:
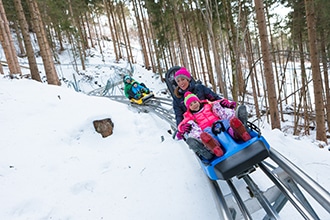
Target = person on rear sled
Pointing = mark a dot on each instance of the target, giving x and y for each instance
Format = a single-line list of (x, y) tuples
[(198, 121), (134, 89), (183, 79)]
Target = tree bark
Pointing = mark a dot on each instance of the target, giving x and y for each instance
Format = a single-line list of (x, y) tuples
[(317, 80), (267, 59), (7, 43), (45, 51), (27, 41)]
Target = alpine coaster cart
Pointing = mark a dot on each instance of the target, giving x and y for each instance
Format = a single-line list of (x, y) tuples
[(239, 157)]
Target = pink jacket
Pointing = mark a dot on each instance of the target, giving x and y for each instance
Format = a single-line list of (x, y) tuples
[(204, 118)]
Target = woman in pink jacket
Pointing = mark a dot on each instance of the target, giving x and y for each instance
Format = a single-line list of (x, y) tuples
[(199, 118)]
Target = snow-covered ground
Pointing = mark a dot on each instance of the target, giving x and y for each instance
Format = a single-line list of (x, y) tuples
[(54, 165)]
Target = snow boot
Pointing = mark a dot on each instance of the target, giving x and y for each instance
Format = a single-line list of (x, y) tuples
[(242, 114), (212, 144), (239, 129), (198, 147)]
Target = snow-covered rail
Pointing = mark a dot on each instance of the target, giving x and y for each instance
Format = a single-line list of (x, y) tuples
[(287, 181), (290, 185)]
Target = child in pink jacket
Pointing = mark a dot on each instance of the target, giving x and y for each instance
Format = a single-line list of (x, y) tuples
[(199, 118)]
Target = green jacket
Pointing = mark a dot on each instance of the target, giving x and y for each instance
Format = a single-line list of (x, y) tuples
[(128, 89)]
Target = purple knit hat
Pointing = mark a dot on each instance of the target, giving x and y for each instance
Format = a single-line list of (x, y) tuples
[(189, 98), (182, 72)]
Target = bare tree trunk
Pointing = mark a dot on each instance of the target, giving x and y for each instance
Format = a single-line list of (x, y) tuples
[(27, 41), (303, 83), (317, 79), (116, 31), (237, 78), (206, 47), (113, 38), (181, 39), (251, 66), (89, 31), (126, 35), (271, 92), (209, 21), (22, 51), (44, 47), (326, 78), (141, 35), (1, 68), (7, 43), (147, 37), (275, 63)]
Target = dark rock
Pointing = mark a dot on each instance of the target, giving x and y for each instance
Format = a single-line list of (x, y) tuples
[(104, 127)]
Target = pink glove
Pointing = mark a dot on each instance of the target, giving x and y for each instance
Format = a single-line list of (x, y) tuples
[(186, 128), (228, 104), (179, 135)]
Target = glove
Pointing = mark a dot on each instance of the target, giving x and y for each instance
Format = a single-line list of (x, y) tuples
[(186, 128), (179, 135), (228, 104), (137, 96), (144, 90)]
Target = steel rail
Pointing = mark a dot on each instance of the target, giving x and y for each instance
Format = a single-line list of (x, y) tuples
[(162, 107), (313, 188)]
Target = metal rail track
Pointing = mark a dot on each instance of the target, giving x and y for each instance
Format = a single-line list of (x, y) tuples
[(287, 180)]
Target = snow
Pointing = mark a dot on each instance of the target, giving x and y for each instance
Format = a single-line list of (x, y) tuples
[(54, 165)]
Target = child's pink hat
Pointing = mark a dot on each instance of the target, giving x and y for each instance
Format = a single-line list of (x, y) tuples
[(189, 98)]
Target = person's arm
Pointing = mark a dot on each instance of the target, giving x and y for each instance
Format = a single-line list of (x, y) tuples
[(210, 95), (178, 112), (126, 90), (130, 93)]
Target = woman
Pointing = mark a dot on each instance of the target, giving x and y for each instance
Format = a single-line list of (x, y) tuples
[(183, 79), (185, 83)]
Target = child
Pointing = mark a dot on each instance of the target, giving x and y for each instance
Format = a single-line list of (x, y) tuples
[(133, 89), (185, 83), (204, 114)]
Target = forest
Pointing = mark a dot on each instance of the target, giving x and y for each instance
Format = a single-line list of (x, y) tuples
[(239, 48)]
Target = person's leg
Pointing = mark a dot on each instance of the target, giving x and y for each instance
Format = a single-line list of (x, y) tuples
[(211, 142), (239, 129), (195, 144), (136, 92), (198, 147), (144, 88), (242, 114)]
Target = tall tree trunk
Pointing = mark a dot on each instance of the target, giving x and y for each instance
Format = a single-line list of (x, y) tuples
[(126, 35), (45, 51), (116, 31), (178, 27), (113, 38), (326, 78), (1, 68), (317, 80), (147, 37), (237, 78), (267, 59), (303, 83), (251, 66), (209, 21), (22, 51), (27, 41), (7, 43), (141, 35)]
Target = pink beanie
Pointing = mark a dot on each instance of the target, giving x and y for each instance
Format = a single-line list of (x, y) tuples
[(182, 72), (189, 98)]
